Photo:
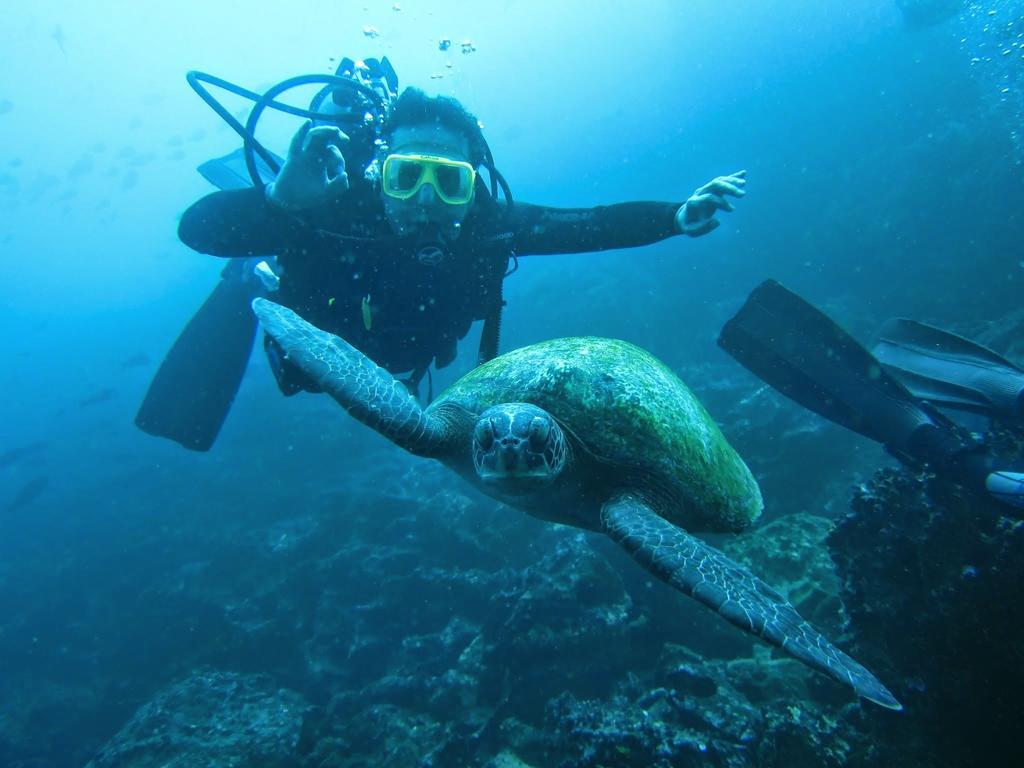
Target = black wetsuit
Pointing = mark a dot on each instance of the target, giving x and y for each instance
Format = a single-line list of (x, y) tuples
[(343, 270)]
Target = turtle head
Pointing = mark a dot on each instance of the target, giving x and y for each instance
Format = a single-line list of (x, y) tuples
[(518, 448)]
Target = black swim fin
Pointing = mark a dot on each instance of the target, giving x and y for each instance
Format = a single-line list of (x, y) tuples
[(231, 172), (951, 371), (805, 355), (192, 391)]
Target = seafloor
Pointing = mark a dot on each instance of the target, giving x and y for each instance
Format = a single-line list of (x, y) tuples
[(384, 615)]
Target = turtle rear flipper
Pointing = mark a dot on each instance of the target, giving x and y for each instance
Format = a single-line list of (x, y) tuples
[(364, 389), (701, 571)]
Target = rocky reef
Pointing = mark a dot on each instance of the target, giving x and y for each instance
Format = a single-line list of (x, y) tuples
[(397, 619), (211, 719), (432, 628), (931, 576)]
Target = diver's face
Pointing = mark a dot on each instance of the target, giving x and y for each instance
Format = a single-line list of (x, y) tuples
[(409, 217)]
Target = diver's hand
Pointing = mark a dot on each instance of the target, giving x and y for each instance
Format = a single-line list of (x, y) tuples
[(314, 172), (697, 215), (267, 276), (1007, 487)]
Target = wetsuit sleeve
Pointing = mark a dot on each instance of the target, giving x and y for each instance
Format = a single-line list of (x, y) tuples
[(240, 222), (540, 230)]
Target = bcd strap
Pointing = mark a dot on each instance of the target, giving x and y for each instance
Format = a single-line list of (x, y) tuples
[(490, 336)]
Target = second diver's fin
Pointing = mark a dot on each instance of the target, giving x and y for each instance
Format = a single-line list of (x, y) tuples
[(951, 371), (230, 171), (805, 355), (192, 391)]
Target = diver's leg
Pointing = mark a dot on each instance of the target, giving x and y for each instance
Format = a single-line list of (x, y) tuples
[(968, 463)]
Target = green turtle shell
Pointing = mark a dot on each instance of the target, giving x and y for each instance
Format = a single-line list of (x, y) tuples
[(632, 413)]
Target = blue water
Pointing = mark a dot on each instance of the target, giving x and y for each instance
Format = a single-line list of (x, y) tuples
[(884, 162)]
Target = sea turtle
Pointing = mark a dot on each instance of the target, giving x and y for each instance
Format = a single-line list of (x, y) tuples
[(593, 433)]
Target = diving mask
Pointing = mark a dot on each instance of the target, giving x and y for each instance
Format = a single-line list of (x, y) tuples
[(402, 176)]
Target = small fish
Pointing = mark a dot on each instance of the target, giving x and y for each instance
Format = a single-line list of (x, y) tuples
[(138, 360), (28, 493), (14, 455), (58, 38), (129, 180), (100, 396)]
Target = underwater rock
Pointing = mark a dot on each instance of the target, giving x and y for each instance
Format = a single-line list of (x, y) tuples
[(623, 733), (507, 760), (931, 578), (700, 717), (426, 627), (211, 719), (791, 555), (774, 435), (384, 736)]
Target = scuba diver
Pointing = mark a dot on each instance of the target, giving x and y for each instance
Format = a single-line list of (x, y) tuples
[(897, 396), (384, 232)]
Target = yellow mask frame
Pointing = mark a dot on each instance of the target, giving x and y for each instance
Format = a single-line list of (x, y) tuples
[(403, 175)]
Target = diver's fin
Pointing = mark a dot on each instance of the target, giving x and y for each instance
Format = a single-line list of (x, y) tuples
[(192, 391), (805, 355), (230, 171), (949, 370)]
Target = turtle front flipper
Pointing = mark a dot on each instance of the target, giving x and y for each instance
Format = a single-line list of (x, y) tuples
[(701, 571), (364, 389)]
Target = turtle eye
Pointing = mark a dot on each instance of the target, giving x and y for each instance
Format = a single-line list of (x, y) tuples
[(484, 434), (540, 429)]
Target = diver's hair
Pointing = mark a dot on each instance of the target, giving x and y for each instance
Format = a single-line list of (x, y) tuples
[(414, 107)]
